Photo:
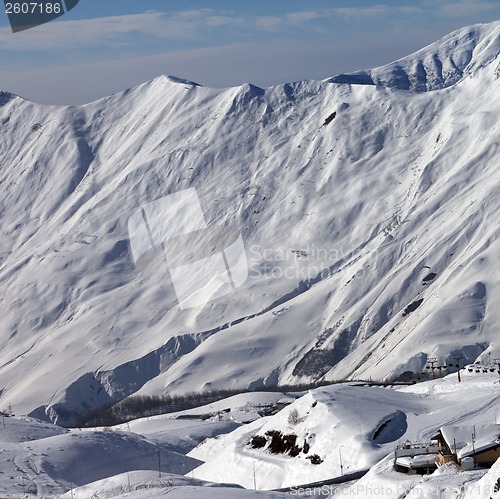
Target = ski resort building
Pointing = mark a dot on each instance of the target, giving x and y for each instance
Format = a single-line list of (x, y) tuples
[(468, 446), (416, 458)]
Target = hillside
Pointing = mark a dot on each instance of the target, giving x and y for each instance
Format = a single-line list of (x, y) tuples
[(349, 427), (369, 214), (353, 427)]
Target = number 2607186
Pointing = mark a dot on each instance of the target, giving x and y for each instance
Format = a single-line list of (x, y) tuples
[(33, 8)]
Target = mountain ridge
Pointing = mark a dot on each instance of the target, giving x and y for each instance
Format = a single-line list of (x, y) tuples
[(436, 66), (372, 184)]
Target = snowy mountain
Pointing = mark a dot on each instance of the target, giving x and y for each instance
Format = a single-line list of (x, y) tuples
[(437, 66), (367, 205), (351, 428)]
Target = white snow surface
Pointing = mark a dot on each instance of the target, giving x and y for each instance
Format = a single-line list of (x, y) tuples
[(470, 439), (342, 222), (341, 420), (440, 65), (46, 460), (353, 425)]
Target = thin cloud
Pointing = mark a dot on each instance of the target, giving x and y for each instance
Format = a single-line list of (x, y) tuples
[(290, 20), (269, 23), (466, 8), (409, 9), (300, 18), (184, 25), (353, 12), (307, 17), (217, 21), (87, 32)]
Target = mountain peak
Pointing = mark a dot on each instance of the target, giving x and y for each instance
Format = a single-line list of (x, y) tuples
[(162, 79), (5, 97), (439, 65)]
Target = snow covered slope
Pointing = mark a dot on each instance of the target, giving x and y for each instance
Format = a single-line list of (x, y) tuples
[(439, 65), (51, 460), (146, 455), (347, 426), (369, 216), (142, 484), (350, 427)]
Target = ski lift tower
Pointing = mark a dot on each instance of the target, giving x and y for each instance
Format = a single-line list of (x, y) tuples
[(457, 359), (496, 362), (432, 363)]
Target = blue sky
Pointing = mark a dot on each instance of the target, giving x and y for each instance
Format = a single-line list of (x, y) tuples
[(103, 46)]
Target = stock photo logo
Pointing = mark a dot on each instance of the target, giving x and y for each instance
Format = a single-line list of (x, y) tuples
[(204, 262), (26, 15)]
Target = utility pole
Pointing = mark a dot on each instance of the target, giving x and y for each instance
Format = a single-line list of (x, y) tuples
[(497, 363), (254, 480), (340, 458), (159, 464), (432, 364), (473, 443)]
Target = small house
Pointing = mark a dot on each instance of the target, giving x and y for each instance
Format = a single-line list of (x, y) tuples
[(460, 444)]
